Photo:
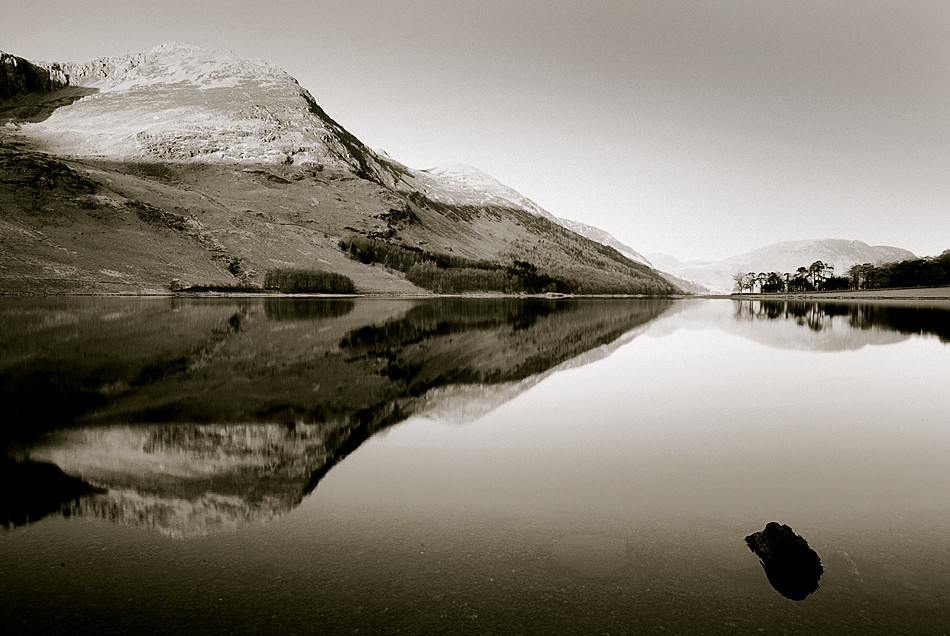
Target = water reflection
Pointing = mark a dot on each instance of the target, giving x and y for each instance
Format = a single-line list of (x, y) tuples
[(306, 308), (193, 417), (812, 325), (182, 480), (821, 316), (791, 566), (33, 490)]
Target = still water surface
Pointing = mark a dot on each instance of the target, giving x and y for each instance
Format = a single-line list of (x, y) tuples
[(471, 466)]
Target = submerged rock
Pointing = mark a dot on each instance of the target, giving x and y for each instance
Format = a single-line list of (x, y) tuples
[(791, 566)]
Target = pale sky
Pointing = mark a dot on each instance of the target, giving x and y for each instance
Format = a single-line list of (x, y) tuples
[(701, 129)]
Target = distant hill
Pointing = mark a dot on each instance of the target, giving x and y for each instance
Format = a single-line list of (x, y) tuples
[(189, 166), (783, 257), (670, 263)]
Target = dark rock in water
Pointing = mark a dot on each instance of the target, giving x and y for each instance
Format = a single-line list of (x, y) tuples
[(791, 566)]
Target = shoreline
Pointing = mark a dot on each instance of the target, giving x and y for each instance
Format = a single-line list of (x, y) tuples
[(901, 294), (384, 295)]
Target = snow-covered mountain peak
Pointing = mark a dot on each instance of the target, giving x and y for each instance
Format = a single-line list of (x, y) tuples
[(462, 184), (462, 176), (175, 45)]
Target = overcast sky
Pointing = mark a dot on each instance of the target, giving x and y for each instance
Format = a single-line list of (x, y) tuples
[(699, 129)]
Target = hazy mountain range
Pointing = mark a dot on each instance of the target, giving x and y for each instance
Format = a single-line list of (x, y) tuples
[(781, 257), (196, 166)]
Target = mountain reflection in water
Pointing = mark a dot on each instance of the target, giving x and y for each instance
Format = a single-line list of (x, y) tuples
[(192, 417)]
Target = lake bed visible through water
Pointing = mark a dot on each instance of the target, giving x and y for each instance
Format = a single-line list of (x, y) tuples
[(471, 465)]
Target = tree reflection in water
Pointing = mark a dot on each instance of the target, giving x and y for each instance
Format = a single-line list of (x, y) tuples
[(819, 316)]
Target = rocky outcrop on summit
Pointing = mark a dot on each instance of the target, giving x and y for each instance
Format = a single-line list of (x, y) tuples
[(19, 77)]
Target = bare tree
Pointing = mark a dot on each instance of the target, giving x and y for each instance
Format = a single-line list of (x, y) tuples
[(739, 279)]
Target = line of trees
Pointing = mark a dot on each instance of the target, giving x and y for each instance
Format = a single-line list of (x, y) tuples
[(817, 276), (308, 281), (450, 274), (922, 272)]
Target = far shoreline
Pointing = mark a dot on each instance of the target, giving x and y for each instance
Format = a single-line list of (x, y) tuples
[(899, 294), (381, 295), (932, 294)]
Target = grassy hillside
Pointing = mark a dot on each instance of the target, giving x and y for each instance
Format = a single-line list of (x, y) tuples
[(102, 226)]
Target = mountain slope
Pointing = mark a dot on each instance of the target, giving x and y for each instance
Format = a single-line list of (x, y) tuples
[(604, 238), (198, 166), (788, 256), (461, 184)]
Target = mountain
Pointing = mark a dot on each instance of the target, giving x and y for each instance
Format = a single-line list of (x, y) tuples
[(687, 286), (785, 257), (187, 166), (180, 102)]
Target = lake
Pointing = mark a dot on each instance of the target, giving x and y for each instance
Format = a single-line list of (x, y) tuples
[(529, 466)]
